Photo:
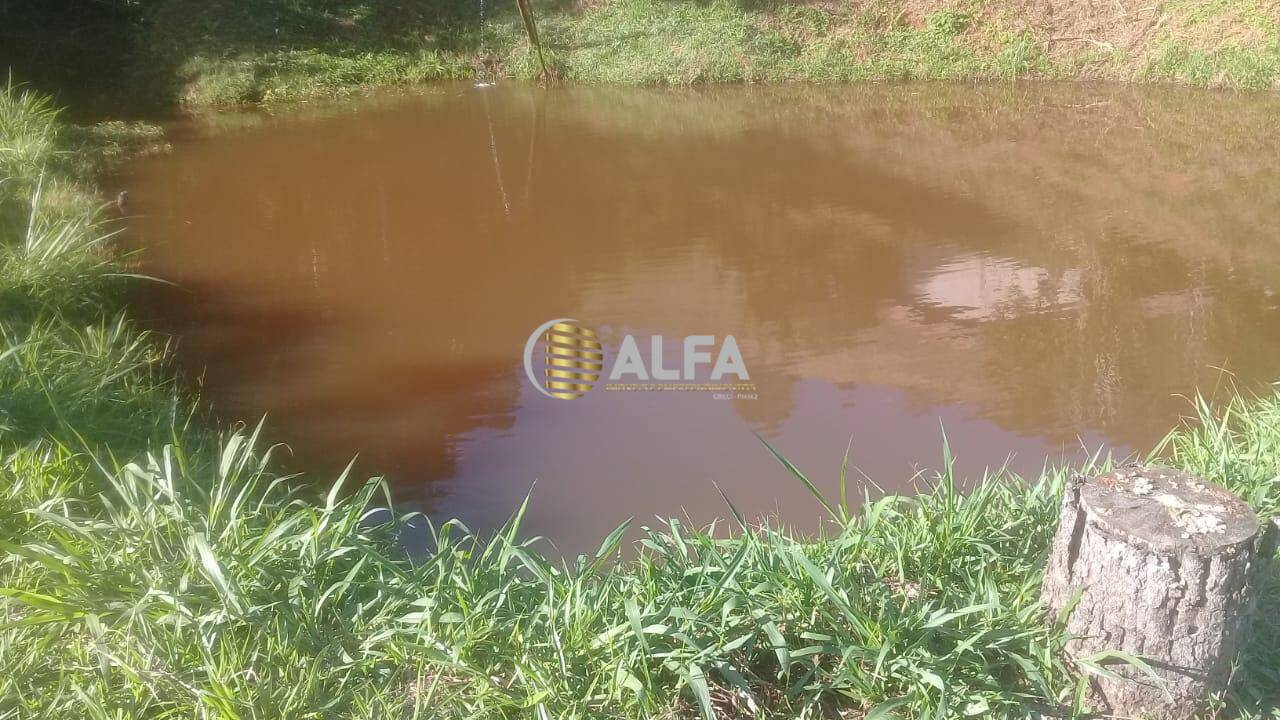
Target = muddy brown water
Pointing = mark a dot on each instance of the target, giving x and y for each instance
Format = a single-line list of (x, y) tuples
[(1041, 270)]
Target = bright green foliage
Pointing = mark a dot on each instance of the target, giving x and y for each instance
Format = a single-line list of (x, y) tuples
[(195, 586), (1237, 443)]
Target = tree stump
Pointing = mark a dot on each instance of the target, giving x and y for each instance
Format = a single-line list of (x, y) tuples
[(1166, 565)]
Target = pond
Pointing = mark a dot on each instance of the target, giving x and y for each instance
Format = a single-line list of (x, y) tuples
[(1040, 270)]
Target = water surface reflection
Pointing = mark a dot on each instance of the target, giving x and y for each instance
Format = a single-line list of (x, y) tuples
[(1034, 268)]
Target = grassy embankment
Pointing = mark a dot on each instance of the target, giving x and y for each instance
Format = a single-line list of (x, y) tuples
[(208, 54), (242, 52), (154, 569)]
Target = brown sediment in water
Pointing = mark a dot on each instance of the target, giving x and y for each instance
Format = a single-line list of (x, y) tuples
[(1027, 266)]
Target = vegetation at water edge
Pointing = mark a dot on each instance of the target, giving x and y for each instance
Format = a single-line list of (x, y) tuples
[(266, 51)]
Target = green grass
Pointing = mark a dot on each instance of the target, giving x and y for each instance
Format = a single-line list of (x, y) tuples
[(151, 568), (242, 52), (1234, 43), (641, 42), (199, 589), (293, 75), (246, 52)]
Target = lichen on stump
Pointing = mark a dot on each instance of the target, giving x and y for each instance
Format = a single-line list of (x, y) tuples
[(1166, 565)]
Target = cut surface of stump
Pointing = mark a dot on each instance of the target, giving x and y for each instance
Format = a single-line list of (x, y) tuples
[(1166, 565)]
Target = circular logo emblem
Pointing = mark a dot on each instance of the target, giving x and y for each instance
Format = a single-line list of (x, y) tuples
[(563, 360)]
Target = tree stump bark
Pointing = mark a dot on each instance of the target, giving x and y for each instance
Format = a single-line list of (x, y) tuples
[(1166, 565)]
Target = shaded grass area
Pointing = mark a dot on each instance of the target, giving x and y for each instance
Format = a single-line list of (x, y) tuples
[(152, 568), (239, 52)]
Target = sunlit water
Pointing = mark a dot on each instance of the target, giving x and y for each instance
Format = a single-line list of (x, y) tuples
[(1038, 269)]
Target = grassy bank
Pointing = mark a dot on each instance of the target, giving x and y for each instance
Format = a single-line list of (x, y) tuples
[(153, 567), (235, 52)]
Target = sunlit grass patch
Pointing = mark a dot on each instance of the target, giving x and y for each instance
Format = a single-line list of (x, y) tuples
[(1236, 443), (96, 385), (651, 42), (71, 368), (1230, 43), (1226, 67), (197, 585), (200, 584), (302, 74), (30, 128)]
